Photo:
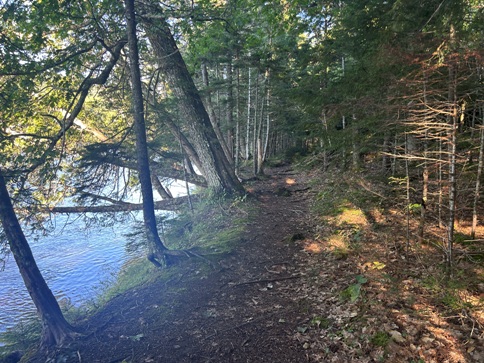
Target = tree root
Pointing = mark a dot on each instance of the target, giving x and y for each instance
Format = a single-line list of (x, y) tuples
[(171, 257)]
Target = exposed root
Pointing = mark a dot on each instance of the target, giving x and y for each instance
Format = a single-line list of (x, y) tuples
[(171, 257)]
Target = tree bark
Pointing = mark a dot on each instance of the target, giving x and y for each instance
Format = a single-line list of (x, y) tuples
[(155, 245), (175, 130), (452, 151), (213, 117), (216, 168), (162, 191), (478, 184), (247, 126), (55, 329)]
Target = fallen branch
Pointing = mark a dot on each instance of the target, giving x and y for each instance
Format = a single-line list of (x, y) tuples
[(168, 204), (268, 280)]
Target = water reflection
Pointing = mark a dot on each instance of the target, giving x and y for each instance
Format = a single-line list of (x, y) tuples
[(74, 260)]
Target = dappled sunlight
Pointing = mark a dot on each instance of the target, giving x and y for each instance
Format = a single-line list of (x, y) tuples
[(407, 298), (312, 246), (352, 216)]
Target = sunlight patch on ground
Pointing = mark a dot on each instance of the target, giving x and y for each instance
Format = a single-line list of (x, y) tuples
[(427, 337), (352, 216), (290, 181), (338, 244), (312, 246)]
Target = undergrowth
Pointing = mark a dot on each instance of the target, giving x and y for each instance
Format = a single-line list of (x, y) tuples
[(361, 220)]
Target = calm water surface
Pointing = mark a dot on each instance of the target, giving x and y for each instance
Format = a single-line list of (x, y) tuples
[(75, 261)]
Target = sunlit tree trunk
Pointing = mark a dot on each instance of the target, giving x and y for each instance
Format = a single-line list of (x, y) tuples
[(425, 191), (260, 151), (440, 202), (255, 125), (268, 114), (249, 114), (407, 184), (478, 183), (452, 149), (425, 175)]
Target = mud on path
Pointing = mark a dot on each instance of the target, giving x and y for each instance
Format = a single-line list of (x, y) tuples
[(273, 299)]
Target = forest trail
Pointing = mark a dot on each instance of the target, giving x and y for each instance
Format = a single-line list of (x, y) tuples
[(257, 307), (285, 295)]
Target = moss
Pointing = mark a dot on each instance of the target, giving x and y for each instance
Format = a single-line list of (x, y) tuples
[(380, 339)]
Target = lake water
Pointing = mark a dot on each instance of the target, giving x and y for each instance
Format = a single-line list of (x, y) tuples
[(74, 260)]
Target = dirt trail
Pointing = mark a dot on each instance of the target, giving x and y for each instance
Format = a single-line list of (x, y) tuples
[(280, 297), (248, 311)]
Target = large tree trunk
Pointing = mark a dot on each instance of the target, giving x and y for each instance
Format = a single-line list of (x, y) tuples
[(155, 245), (55, 329), (215, 166)]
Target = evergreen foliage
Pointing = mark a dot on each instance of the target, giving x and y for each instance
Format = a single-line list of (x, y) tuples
[(355, 82)]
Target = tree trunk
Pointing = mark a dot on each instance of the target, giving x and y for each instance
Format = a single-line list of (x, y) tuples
[(268, 115), (478, 184), (237, 121), (247, 128), (215, 166), (162, 191), (213, 117), (440, 203), (425, 192), (255, 150), (407, 179), (155, 245), (230, 110), (452, 150), (175, 130), (55, 329)]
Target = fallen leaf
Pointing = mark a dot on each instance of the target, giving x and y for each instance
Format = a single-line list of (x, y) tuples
[(302, 329)]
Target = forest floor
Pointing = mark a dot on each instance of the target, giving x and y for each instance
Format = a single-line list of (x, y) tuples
[(300, 286)]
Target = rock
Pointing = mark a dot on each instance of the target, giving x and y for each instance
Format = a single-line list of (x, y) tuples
[(427, 340), (480, 287), (397, 336)]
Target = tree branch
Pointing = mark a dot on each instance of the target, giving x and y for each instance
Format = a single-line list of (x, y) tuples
[(169, 204)]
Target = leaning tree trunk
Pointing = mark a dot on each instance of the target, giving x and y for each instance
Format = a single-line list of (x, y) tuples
[(55, 329), (215, 166), (155, 245)]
